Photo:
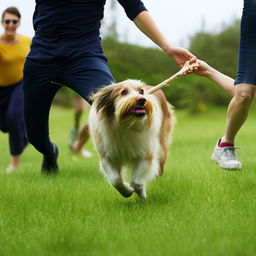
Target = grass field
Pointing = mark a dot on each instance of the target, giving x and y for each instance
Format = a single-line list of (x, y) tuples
[(194, 209)]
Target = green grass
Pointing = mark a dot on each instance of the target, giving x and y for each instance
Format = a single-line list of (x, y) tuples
[(195, 208)]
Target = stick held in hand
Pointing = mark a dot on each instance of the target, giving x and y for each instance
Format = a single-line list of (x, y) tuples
[(183, 70)]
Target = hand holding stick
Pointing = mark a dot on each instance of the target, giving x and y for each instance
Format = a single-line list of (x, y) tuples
[(184, 69)]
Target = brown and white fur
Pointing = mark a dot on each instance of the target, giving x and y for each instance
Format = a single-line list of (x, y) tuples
[(131, 128)]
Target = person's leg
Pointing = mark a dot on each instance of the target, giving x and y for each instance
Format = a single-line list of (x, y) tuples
[(86, 76), (83, 137), (14, 163), (246, 77), (79, 105), (16, 126), (5, 95), (79, 138), (245, 89), (238, 110), (38, 96)]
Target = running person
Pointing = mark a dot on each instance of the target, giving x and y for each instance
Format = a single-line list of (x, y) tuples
[(238, 109), (13, 51), (66, 49)]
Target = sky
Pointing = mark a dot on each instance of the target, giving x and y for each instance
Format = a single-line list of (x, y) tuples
[(177, 19)]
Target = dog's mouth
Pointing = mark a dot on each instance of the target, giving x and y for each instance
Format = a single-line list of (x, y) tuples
[(139, 111)]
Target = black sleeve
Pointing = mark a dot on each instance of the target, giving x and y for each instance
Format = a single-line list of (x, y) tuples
[(132, 7)]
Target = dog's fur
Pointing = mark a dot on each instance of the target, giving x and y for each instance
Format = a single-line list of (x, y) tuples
[(131, 128)]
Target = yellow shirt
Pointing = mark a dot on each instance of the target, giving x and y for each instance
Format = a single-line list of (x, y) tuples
[(12, 59)]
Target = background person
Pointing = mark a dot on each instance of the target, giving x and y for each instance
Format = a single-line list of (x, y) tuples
[(66, 49), (13, 51)]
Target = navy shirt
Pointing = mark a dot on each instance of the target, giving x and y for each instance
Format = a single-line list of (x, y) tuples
[(72, 27)]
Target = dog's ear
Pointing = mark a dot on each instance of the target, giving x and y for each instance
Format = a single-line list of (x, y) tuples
[(104, 100)]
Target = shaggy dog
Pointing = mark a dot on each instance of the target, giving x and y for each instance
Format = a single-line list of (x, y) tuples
[(131, 128)]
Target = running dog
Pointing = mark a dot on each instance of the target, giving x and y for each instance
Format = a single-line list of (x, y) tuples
[(131, 128)]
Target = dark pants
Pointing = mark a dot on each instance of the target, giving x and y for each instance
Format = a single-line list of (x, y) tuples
[(12, 117), (41, 82), (247, 50)]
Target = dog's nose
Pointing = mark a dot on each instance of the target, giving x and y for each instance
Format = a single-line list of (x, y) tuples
[(141, 101)]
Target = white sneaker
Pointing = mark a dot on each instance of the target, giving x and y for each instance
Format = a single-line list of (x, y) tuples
[(86, 153), (10, 169), (226, 157)]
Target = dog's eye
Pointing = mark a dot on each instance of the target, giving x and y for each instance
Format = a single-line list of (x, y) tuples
[(141, 91), (124, 92)]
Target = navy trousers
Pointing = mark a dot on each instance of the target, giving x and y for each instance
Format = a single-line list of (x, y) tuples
[(247, 50), (12, 117), (42, 80)]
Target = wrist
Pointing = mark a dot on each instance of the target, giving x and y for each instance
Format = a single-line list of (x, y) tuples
[(167, 48)]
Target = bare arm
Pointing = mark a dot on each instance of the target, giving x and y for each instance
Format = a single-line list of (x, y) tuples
[(147, 25), (224, 81)]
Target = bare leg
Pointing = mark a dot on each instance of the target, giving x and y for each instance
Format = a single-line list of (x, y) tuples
[(224, 154), (14, 164), (15, 160), (238, 110), (79, 104), (82, 138), (79, 140)]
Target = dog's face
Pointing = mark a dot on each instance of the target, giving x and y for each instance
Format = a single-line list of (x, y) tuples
[(124, 101)]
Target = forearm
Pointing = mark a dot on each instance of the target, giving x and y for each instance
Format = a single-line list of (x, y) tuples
[(147, 25), (224, 81)]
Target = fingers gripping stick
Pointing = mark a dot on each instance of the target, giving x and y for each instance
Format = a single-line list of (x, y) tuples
[(184, 69)]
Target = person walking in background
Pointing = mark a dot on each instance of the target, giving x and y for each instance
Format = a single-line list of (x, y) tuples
[(13, 51), (78, 138), (66, 50), (238, 109)]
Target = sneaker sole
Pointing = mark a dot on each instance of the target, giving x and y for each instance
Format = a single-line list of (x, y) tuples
[(227, 167)]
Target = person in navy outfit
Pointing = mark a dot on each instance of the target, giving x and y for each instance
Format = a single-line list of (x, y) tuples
[(66, 50)]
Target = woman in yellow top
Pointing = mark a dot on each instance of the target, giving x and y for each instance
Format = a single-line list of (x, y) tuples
[(13, 51)]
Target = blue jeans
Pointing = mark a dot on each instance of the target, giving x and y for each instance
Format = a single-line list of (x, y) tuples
[(247, 50), (42, 80)]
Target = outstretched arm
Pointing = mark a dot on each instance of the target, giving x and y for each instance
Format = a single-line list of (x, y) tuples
[(147, 25), (224, 81)]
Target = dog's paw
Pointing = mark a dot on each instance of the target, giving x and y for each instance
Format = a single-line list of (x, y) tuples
[(125, 189), (140, 190)]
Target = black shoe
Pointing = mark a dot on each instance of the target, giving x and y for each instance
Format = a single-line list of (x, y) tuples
[(50, 165)]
